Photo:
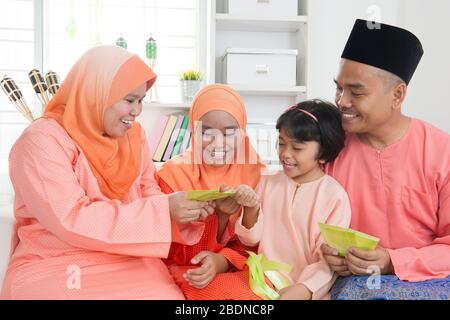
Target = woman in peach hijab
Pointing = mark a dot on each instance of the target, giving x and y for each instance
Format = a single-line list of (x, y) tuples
[(91, 221), (220, 155)]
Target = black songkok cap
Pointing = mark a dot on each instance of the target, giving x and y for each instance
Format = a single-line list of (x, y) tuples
[(383, 46)]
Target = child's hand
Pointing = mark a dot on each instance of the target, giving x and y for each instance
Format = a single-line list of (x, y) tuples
[(295, 292), (246, 196), (212, 264), (228, 205), (337, 263)]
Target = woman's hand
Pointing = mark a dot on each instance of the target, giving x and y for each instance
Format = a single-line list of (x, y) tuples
[(211, 264), (184, 211)]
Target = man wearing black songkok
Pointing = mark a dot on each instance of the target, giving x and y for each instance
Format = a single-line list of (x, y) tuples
[(395, 169)]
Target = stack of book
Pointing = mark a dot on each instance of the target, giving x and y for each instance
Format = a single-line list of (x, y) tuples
[(170, 137)]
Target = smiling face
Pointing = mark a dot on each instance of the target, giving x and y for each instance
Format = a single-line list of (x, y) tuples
[(365, 97), (120, 116), (220, 137), (299, 159)]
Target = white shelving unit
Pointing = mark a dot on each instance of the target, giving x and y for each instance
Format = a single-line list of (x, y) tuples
[(263, 103), (270, 90), (166, 106), (261, 24)]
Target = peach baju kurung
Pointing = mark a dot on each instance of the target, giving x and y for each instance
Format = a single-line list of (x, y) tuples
[(287, 229), (71, 241), (189, 172)]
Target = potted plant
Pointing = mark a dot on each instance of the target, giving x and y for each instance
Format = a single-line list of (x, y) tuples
[(190, 83)]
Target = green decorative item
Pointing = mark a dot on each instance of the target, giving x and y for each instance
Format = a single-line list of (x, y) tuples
[(151, 52), (344, 239), (191, 75), (72, 28), (259, 268), (208, 195), (151, 49), (121, 42)]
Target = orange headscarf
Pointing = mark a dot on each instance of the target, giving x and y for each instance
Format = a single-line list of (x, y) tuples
[(186, 172), (100, 78)]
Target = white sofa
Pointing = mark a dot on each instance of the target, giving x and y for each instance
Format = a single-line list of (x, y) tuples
[(6, 228)]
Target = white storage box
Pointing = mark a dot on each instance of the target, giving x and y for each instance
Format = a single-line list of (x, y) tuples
[(263, 7), (260, 66)]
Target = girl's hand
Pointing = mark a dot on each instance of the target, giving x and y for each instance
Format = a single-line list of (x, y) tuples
[(227, 206), (211, 264), (337, 263), (295, 292), (246, 196)]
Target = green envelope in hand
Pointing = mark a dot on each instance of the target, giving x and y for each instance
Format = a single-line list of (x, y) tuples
[(343, 239), (208, 195)]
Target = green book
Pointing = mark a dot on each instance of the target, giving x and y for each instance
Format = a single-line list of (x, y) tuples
[(344, 239), (184, 125), (208, 195)]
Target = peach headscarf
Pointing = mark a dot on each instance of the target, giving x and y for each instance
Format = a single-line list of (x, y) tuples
[(100, 78), (185, 172)]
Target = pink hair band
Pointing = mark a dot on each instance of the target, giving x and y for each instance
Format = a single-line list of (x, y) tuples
[(305, 112)]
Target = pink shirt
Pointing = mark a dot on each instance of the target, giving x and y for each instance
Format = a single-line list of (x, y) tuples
[(287, 229), (63, 220), (401, 194)]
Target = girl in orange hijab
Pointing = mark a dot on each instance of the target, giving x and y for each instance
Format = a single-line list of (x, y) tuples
[(91, 221), (220, 157)]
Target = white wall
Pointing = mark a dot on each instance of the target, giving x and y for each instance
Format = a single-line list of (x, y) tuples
[(429, 91)]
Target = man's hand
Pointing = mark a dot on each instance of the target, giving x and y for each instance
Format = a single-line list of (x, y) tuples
[(361, 262), (337, 263), (211, 264)]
